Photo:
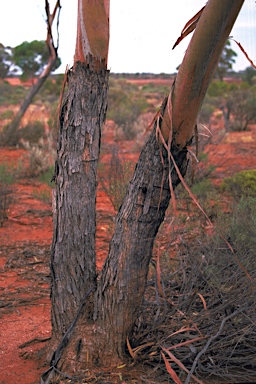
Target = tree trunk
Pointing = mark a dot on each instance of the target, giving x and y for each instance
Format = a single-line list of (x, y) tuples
[(73, 248), (121, 287), (96, 328)]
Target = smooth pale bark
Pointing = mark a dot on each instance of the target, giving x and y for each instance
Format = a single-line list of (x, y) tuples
[(53, 55), (198, 66), (92, 30)]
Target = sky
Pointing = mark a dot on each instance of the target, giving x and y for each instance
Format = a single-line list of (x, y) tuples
[(142, 32)]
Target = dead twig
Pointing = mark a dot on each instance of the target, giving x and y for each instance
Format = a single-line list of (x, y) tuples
[(190, 375)]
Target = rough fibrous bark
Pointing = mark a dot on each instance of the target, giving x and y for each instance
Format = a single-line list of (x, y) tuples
[(123, 281), (73, 248)]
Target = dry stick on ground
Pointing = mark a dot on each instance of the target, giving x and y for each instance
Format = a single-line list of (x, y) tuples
[(208, 343)]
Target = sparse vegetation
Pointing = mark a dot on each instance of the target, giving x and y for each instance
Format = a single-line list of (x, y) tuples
[(41, 155), (46, 176), (10, 95), (6, 115), (204, 294), (115, 177), (44, 195), (7, 177), (241, 184), (241, 106), (125, 105)]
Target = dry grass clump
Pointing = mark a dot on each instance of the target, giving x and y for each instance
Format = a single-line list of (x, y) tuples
[(199, 316), (41, 155), (115, 176)]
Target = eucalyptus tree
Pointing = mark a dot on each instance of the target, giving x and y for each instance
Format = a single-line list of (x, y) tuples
[(26, 56), (31, 58), (5, 61), (226, 61), (93, 316)]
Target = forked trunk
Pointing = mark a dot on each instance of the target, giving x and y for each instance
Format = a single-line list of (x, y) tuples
[(121, 287), (98, 325)]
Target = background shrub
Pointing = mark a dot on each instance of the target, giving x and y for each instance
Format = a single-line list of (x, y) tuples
[(41, 155), (7, 177), (115, 177), (125, 104), (241, 184), (10, 95)]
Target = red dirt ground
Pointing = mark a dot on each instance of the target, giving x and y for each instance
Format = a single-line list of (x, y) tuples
[(25, 240)]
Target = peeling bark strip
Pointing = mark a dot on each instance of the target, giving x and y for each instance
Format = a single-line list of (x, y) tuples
[(73, 248), (92, 29)]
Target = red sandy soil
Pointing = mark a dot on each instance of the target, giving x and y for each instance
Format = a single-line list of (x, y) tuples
[(25, 240)]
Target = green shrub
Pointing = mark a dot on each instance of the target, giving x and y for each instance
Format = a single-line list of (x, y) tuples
[(220, 88), (125, 104), (10, 95), (242, 108), (206, 113), (202, 188), (242, 228), (47, 176), (32, 132), (44, 196), (8, 174), (51, 89), (158, 90), (241, 184), (6, 115), (7, 177)]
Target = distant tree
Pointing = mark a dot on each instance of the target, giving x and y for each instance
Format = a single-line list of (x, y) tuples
[(32, 57), (38, 64), (5, 61), (240, 106), (226, 61), (249, 75)]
